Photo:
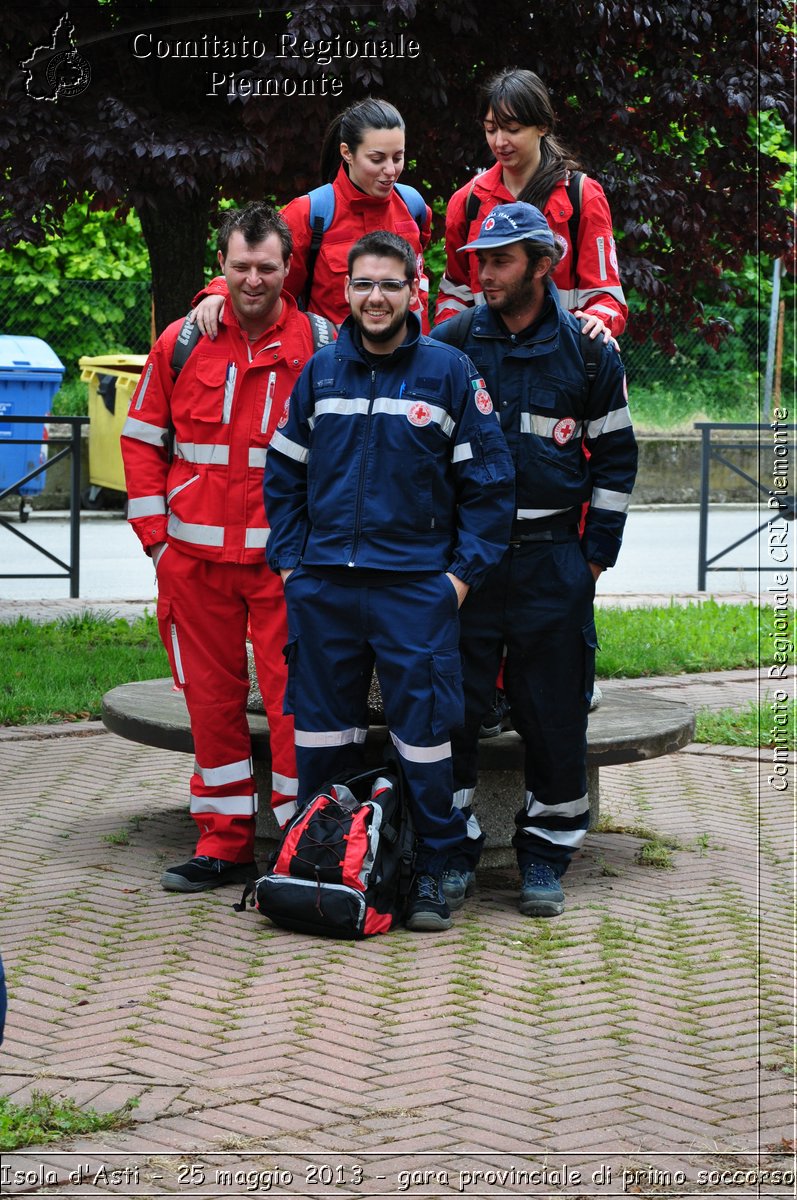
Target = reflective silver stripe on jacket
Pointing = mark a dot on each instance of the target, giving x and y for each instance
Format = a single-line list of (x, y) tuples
[(422, 754), (534, 514), (330, 737), (257, 457), (578, 298), (544, 426), (256, 538), (228, 806), (227, 773), (284, 784), (291, 449), (197, 535), (455, 293), (618, 418), (142, 391), (142, 431), (203, 452), (389, 406), (612, 501), (146, 506), (462, 452)]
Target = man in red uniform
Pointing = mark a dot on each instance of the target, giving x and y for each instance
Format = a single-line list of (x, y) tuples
[(194, 450)]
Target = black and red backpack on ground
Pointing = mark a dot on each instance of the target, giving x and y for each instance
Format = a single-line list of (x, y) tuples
[(344, 863)]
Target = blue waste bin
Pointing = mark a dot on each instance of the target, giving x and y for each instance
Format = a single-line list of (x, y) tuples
[(30, 375)]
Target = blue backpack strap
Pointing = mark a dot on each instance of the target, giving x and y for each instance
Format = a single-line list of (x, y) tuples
[(322, 210), (414, 202)]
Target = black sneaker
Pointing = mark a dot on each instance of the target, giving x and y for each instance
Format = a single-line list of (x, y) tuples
[(427, 910), (541, 892), (497, 719), (201, 873), (456, 885)]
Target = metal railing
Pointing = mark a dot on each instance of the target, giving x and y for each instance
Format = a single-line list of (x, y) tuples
[(70, 446), (785, 501)]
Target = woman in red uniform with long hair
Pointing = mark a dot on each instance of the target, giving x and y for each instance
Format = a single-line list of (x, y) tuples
[(531, 164)]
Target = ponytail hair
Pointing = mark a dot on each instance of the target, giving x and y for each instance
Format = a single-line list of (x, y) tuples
[(520, 97), (351, 126)]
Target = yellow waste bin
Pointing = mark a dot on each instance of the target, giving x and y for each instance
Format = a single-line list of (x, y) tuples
[(112, 379)]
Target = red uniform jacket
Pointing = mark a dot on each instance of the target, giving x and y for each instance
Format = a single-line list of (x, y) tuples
[(595, 287), (355, 215), (218, 417)]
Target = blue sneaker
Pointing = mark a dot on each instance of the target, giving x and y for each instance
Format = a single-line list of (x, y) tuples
[(427, 910), (541, 892), (456, 885)]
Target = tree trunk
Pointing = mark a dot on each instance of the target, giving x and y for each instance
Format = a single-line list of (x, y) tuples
[(175, 229)]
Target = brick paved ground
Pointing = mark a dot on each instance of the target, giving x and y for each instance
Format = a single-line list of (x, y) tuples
[(649, 1029)]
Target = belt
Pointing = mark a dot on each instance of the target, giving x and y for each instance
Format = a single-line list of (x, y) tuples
[(560, 533)]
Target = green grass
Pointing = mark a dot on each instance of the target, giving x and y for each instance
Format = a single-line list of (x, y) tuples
[(48, 1119), (664, 407), (59, 671), (750, 726), (636, 642)]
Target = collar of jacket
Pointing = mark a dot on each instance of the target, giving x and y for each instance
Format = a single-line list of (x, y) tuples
[(349, 342), (352, 197), (546, 335)]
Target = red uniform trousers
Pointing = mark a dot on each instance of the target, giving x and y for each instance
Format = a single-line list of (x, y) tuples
[(203, 610)]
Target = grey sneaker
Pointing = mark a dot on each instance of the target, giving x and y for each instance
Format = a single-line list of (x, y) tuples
[(541, 892), (427, 911), (456, 886), (597, 696)]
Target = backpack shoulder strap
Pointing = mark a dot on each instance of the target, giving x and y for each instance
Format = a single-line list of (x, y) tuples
[(472, 202), (575, 191), (591, 351), (414, 202), (187, 339), (456, 329), (323, 331), (322, 210)]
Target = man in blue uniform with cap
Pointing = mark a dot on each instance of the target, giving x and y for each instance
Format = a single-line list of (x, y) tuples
[(537, 605)]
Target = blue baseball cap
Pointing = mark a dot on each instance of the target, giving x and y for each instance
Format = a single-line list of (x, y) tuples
[(507, 223)]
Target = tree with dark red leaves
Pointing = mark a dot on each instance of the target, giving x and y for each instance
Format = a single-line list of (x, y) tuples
[(658, 100)]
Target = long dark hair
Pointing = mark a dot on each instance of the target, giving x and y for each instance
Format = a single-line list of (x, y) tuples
[(351, 126), (520, 97)]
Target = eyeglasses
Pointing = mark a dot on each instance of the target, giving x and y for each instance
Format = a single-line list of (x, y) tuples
[(388, 287)]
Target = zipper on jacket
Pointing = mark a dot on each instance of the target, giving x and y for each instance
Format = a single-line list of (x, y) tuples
[(363, 466)]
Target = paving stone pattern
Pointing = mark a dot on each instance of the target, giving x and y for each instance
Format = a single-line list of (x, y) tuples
[(648, 1029)]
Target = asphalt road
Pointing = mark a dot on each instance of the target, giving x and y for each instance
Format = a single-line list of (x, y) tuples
[(659, 555)]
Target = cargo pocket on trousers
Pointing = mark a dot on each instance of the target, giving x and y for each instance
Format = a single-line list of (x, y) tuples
[(170, 639), (590, 636), (290, 651), (449, 698)]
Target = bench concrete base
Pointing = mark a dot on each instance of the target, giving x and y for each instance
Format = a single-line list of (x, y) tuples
[(629, 726)]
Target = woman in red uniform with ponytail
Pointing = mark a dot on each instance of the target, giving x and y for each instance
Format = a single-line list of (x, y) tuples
[(362, 157)]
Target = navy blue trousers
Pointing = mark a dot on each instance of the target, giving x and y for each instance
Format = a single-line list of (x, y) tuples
[(536, 606), (410, 632)]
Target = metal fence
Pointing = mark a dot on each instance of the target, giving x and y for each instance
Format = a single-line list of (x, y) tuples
[(91, 317)]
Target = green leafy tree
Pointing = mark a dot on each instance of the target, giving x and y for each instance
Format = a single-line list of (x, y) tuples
[(656, 98)]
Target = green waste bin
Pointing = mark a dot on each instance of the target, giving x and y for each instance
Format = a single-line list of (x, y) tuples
[(112, 379)]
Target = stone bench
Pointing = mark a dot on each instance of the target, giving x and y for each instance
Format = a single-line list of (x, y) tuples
[(629, 726)]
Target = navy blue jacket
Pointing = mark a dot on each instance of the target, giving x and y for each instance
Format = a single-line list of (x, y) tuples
[(400, 466), (548, 412)]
